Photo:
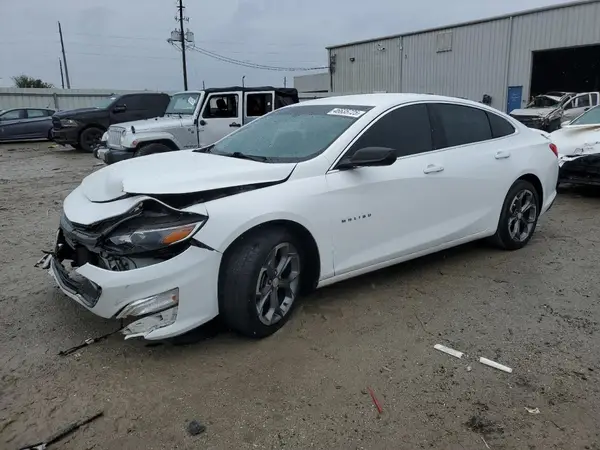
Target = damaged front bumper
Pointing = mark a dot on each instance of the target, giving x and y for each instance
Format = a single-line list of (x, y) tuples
[(583, 170), (159, 300)]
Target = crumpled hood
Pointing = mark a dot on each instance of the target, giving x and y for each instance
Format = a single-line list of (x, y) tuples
[(180, 172), (577, 140), (159, 123), (532, 112)]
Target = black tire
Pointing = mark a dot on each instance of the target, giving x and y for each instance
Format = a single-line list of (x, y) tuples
[(151, 149), (526, 221), (49, 136), (90, 138), (242, 273)]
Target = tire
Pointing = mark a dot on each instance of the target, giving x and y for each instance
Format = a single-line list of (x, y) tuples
[(49, 136), (151, 149), (249, 267), (514, 212), (90, 138)]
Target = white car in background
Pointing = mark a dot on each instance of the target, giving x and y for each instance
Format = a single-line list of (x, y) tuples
[(303, 197), (579, 144)]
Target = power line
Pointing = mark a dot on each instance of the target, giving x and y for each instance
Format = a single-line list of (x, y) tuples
[(253, 65)]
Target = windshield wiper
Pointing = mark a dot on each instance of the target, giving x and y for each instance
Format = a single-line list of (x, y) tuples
[(241, 155)]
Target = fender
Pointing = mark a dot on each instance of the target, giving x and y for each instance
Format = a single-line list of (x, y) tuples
[(132, 141)]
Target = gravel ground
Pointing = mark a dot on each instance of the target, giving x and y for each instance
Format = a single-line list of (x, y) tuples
[(535, 310)]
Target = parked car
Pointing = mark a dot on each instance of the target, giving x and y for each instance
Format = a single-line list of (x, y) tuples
[(306, 196), (193, 119), (25, 123), (579, 144), (546, 112), (83, 128)]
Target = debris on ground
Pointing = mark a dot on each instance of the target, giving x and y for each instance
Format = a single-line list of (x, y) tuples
[(64, 432), (495, 365), (194, 428), (375, 401), (533, 410), (87, 342), (486, 444), (448, 350)]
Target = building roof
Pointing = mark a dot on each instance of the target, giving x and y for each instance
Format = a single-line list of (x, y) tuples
[(472, 22)]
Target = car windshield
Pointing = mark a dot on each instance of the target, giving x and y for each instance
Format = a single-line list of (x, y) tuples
[(543, 101), (105, 102), (591, 117), (292, 134), (183, 103)]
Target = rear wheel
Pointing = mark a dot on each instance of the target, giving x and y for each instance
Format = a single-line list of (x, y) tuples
[(260, 281), (90, 138), (519, 216), (151, 149)]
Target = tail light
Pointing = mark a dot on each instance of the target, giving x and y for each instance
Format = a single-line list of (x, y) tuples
[(554, 149)]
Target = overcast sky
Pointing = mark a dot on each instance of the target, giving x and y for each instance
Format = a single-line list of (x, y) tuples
[(121, 44)]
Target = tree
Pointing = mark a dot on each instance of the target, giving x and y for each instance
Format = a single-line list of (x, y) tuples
[(24, 81)]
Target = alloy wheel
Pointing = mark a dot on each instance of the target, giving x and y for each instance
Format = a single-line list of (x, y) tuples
[(522, 215), (278, 283)]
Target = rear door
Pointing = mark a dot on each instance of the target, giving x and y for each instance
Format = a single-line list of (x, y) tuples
[(12, 124), (257, 104), (39, 123), (221, 115), (478, 166)]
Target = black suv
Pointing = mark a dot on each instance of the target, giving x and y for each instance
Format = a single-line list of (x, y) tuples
[(83, 128)]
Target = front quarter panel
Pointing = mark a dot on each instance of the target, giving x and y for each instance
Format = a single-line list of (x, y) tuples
[(296, 200)]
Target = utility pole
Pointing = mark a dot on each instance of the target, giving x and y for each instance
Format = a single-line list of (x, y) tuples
[(62, 45), (62, 77), (180, 7)]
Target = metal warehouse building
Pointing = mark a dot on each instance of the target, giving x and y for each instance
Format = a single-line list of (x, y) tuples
[(508, 58)]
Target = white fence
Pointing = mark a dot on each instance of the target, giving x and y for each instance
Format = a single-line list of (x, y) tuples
[(58, 99)]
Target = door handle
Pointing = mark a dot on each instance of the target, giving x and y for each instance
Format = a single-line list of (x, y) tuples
[(432, 168), (502, 154), (235, 125)]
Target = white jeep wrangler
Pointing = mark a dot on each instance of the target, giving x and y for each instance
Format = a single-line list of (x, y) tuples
[(193, 119)]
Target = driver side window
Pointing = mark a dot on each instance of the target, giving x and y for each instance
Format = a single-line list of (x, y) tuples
[(221, 106)]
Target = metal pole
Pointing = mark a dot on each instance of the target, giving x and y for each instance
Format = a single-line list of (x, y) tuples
[(62, 45), (244, 81), (185, 83), (62, 77), (284, 81)]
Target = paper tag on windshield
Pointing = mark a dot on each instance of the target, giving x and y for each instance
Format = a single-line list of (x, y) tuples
[(191, 101), (346, 112)]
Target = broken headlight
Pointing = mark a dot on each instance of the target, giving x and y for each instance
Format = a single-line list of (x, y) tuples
[(146, 234)]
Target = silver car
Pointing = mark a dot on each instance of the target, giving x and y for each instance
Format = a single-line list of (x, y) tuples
[(26, 123)]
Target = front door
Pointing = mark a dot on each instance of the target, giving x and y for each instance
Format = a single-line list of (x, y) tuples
[(576, 106), (13, 124), (221, 115), (381, 213)]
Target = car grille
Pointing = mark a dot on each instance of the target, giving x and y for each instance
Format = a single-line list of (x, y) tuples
[(114, 136), (56, 123), (529, 121)]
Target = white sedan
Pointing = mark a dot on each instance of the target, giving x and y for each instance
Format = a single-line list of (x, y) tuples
[(306, 196)]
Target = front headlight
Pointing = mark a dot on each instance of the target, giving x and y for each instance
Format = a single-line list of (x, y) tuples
[(66, 123), (104, 137), (134, 236)]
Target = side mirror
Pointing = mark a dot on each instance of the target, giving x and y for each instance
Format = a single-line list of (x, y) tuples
[(202, 122), (119, 109), (369, 157)]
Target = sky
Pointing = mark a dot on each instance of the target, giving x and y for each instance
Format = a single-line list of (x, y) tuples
[(122, 44)]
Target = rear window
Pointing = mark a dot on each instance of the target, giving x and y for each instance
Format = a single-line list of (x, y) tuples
[(462, 124), (500, 127)]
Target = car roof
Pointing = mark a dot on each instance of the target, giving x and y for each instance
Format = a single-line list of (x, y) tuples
[(388, 100)]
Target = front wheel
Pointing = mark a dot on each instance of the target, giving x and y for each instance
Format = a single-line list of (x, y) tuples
[(519, 216), (259, 282), (151, 149), (90, 138)]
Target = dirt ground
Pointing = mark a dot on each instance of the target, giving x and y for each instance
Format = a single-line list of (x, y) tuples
[(535, 310)]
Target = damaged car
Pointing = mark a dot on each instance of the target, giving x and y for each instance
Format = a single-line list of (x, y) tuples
[(544, 112), (579, 143), (302, 197)]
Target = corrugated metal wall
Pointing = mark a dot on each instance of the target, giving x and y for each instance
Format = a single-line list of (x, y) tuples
[(485, 58), (376, 67), (52, 98), (566, 27), (475, 65)]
